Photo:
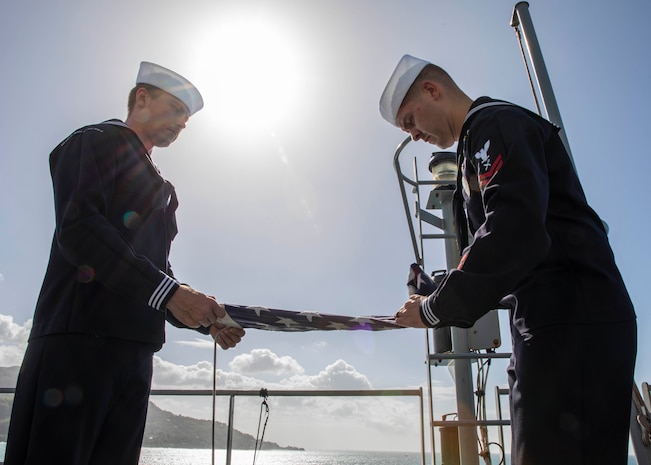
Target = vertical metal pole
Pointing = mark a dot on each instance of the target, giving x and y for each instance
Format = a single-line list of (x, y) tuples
[(498, 403), (462, 367), (422, 430), (522, 18), (427, 331), (432, 435), (420, 221), (229, 437), (214, 399)]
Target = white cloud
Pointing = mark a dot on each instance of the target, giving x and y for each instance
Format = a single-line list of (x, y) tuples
[(444, 393), (11, 332), (11, 356), (13, 340), (168, 375), (260, 361), (340, 375)]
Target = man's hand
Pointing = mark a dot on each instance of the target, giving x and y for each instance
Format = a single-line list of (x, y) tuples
[(409, 313), (226, 336), (193, 308)]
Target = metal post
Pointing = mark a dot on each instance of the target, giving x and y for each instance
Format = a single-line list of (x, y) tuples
[(229, 437), (430, 410), (522, 18), (498, 402), (462, 367), (422, 429)]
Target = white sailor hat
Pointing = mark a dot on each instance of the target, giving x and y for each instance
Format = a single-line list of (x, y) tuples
[(403, 77), (172, 83)]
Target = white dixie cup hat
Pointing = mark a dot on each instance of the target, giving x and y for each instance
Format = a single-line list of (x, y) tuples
[(172, 83), (406, 72)]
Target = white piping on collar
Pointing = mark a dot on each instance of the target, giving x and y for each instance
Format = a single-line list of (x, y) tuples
[(124, 125), (116, 123), (482, 106)]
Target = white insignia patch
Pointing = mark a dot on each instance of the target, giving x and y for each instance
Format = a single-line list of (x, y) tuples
[(483, 156)]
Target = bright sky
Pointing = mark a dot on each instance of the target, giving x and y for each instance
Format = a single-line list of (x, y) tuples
[(287, 189)]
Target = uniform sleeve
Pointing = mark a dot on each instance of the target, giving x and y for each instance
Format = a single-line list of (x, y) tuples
[(507, 152), (171, 319), (85, 171)]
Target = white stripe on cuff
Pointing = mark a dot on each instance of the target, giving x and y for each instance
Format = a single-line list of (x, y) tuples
[(428, 313), (161, 292)]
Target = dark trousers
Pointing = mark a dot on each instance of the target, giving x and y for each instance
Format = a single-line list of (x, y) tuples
[(80, 400), (571, 389)]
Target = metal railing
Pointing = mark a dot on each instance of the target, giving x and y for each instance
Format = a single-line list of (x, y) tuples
[(295, 393), (232, 393)]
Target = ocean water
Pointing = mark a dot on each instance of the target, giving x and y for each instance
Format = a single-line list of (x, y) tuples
[(169, 456), (160, 456)]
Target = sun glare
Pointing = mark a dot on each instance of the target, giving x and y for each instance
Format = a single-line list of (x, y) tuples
[(253, 71)]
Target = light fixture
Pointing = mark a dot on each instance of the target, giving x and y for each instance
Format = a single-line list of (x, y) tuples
[(443, 166)]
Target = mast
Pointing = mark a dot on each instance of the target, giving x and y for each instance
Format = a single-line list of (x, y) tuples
[(521, 20)]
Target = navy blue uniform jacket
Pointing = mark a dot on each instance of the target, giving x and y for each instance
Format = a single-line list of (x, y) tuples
[(108, 272), (537, 247)]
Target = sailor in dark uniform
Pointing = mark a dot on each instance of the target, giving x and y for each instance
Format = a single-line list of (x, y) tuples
[(536, 248), (83, 387)]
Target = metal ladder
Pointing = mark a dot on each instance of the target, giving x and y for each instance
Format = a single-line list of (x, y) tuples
[(456, 346)]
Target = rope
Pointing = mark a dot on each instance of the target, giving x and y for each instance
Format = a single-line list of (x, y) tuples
[(502, 453), (265, 406), (214, 396), (482, 376)]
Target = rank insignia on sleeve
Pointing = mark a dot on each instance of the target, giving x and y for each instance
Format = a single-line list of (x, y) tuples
[(483, 156), (488, 168)]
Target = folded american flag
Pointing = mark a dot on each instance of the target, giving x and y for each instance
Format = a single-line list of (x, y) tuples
[(272, 319)]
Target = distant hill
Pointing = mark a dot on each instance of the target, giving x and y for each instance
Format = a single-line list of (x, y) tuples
[(163, 429)]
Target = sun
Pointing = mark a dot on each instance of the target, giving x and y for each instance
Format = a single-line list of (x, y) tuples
[(252, 73)]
